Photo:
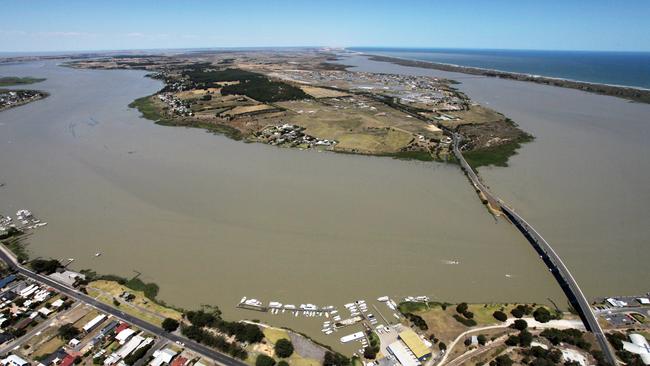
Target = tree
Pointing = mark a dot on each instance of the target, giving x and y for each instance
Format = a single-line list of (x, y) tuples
[(442, 346), (170, 325), (283, 363), (47, 266), (283, 348), (482, 339), (512, 341), (468, 315), (517, 313), (502, 360), (335, 359), (370, 353), (542, 315), (525, 338), (468, 342), (520, 324), (68, 331), (461, 308), (500, 316), (264, 360)]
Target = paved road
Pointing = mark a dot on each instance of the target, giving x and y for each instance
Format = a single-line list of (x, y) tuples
[(546, 252), (219, 357)]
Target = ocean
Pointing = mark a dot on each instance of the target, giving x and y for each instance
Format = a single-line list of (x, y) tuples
[(618, 68)]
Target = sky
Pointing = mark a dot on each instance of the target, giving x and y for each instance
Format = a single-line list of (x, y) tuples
[(73, 25)]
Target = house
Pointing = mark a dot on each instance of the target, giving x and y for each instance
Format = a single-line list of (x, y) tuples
[(57, 304), (7, 280), (54, 357), (94, 323), (67, 277), (5, 337), (13, 360), (74, 342), (179, 361), (67, 361), (23, 323), (124, 335), (162, 357)]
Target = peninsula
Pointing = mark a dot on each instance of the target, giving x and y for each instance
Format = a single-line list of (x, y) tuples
[(10, 98)]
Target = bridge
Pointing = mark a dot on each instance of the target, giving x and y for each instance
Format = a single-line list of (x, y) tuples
[(552, 260)]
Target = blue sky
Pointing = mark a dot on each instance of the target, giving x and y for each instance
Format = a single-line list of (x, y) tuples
[(53, 25)]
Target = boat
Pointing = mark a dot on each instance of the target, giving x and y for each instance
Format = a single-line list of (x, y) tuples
[(382, 299), (98, 254), (242, 299)]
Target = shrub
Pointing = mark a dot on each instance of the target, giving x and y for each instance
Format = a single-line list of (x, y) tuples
[(466, 322), (283, 348)]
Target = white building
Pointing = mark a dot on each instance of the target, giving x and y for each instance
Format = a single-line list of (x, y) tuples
[(638, 345), (13, 360), (402, 354)]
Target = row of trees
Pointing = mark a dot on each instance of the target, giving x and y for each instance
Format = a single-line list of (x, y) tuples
[(205, 337)]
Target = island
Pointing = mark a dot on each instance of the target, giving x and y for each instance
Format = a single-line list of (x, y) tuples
[(303, 100)]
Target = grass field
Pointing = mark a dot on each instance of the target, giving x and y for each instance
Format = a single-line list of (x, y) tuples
[(14, 80), (496, 155), (143, 308), (317, 92), (359, 125)]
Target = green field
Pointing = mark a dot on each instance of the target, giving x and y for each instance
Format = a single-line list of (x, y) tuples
[(14, 80)]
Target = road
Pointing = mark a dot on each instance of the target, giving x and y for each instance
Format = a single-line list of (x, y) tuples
[(223, 359), (550, 257)]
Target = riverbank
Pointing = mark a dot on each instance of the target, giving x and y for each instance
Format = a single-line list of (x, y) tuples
[(634, 94)]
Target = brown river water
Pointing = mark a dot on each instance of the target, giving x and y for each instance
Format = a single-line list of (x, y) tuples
[(211, 220)]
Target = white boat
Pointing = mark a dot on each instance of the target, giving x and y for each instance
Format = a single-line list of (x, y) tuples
[(352, 337), (275, 304), (98, 254), (242, 299), (290, 307), (382, 299)]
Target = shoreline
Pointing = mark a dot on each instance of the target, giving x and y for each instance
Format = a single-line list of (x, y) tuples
[(636, 94)]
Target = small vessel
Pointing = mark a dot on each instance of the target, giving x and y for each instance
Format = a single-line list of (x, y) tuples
[(98, 254)]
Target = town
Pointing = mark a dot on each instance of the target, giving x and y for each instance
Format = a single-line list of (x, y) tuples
[(14, 98)]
